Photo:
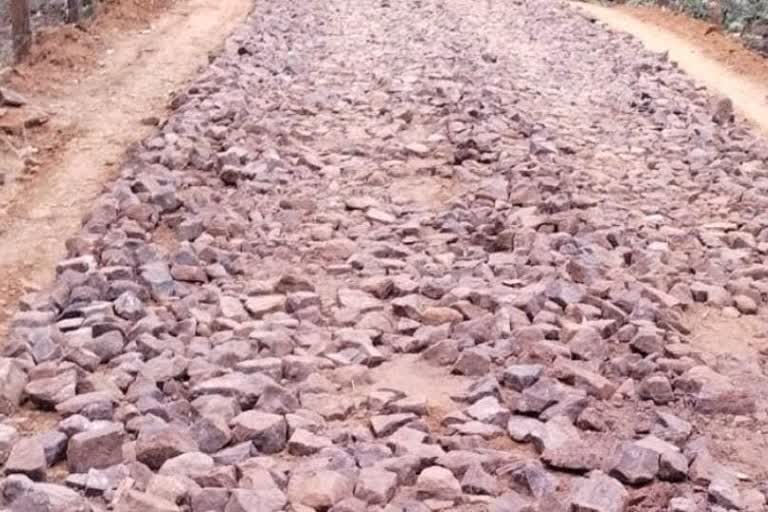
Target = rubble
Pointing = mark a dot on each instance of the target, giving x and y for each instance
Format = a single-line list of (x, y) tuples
[(542, 226)]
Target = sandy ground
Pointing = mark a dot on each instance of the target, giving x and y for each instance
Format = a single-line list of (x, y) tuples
[(92, 106), (712, 59)]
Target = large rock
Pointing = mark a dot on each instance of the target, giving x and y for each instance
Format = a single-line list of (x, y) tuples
[(598, 493), (23, 495), (521, 376), (96, 448), (28, 458), (245, 500), (319, 489), (376, 486), (49, 392), (438, 483), (155, 446), (268, 432), (634, 464)]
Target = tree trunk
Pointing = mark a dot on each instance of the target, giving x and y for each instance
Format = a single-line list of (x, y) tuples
[(21, 28)]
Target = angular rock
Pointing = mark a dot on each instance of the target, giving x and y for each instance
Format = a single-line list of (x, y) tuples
[(267, 432), (598, 493), (155, 446), (375, 486), (634, 464), (28, 458), (438, 483), (521, 376), (319, 489), (96, 448)]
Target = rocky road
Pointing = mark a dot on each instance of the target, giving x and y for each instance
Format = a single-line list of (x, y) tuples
[(409, 255)]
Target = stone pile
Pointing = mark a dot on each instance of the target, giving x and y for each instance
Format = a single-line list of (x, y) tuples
[(519, 196)]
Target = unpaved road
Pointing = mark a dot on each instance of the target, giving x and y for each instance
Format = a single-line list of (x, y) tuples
[(410, 255), (749, 95), (104, 110)]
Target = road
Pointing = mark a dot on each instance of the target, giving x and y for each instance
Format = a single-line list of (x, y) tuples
[(411, 255)]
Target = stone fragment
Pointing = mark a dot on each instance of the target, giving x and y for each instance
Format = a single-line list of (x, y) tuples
[(598, 493), (320, 490), (245, 500), (49, 392), (656, 388), (634, 464), (211, 433), (96, 448), (521, 376), (725, 493), (268, 432), (155, 446), (478, 481), (23, 495), (28, 458), (375, 486), (304, 443), (436, 482), (473, 363)]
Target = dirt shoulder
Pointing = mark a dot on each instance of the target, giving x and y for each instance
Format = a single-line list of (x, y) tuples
[(713, 59), (91, 94)]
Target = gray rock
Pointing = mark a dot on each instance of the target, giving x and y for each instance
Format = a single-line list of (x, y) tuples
[(375, 486), (473, 363), (268, 432), (533, 477), (319, 489), (634, 464), (656, 388), (49, 392), (210, 498), (304, 443), (488, 410), (521, 376), (23, 495), (598, 493), (96, 448), (349, 505), (724, 492), (436, 482), (11, 98), (243, 500), (211, 433), (155, 446), (478, 481), (28, 458)]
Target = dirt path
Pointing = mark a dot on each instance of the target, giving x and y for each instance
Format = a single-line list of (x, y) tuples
[(105, 112), (696, 56)]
